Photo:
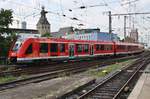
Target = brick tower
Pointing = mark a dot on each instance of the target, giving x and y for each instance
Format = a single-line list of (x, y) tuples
[(43, 26)]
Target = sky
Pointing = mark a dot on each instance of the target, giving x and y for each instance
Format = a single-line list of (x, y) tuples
[(95, 15)]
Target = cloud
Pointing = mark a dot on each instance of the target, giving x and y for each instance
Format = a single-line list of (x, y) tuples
[(90, 17)]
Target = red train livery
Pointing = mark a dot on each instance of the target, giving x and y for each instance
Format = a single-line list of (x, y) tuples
[(36, 49)]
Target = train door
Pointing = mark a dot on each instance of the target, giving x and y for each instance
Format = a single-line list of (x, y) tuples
[(71, 50), (114, 48), (91, 50)]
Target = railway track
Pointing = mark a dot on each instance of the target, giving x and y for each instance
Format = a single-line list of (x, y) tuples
[(29, 70), (65, 70), (71, 69), (114, 86), (41, 77)]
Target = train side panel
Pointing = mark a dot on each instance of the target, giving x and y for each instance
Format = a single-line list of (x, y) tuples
[(49, 49)]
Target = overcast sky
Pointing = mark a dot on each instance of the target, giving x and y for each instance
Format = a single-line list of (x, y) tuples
[(91, 17)]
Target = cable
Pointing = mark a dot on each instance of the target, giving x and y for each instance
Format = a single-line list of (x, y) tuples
[(20, 4), (58, 14), (109, 6)]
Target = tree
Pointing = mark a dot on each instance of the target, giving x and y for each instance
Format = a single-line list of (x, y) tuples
[(5, 20), (46, 35)]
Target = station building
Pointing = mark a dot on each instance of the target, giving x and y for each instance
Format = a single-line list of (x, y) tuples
[(91, 34)]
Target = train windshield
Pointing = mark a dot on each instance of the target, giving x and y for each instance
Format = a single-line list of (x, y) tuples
[(16, 46)]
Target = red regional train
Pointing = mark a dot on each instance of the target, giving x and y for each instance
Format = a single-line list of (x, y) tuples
[(49, 49)]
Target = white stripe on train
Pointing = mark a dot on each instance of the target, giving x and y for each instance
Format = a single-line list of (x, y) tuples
[(30, 59)]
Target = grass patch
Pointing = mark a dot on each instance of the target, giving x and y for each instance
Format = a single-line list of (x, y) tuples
[(7, 68), (109, 68), (11, 78), (7, 79)]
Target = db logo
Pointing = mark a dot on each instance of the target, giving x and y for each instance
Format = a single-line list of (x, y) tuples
[(13, 54)]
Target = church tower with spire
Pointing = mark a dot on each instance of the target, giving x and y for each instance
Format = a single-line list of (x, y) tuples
[(43, 26)]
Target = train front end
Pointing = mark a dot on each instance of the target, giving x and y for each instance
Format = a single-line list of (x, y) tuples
[(13, 52)]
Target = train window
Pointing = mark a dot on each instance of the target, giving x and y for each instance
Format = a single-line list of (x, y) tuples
[(98, 47), (29, 49), (108, 47), (54, 47), (86, 48), (62, 47), (102, 47), (43, 48), (118, 47), (121, 47), (17, 46), (79, 48), (129, 48)]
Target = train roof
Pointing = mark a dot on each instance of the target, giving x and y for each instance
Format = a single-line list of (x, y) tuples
[(126, 43), (43, 39), (62, 40)]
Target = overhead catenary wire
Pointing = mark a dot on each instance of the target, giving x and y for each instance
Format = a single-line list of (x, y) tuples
[(21, 4), (62, 14), (88, 6), (51, 12)]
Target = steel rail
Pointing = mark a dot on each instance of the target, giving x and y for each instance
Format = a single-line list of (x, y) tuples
[(46, 76), (107, 80), (42, 77), (42, 69), (129, 80)]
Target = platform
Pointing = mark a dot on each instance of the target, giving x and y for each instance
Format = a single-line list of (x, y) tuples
[(142, 88)]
